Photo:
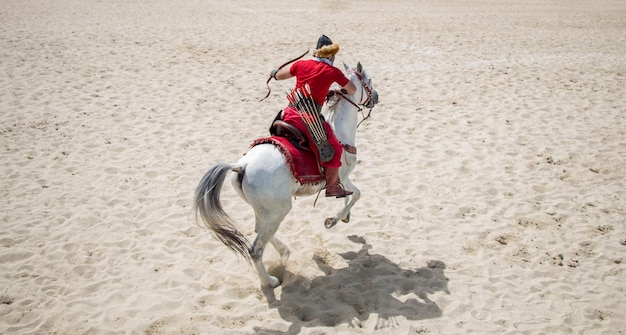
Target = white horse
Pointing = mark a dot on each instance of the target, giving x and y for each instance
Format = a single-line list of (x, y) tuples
[(264, 180)]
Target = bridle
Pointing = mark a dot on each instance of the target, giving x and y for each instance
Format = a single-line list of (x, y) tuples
[(365, 103)]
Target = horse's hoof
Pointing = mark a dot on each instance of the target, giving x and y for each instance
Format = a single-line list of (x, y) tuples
[(330, 222), (274, 282), (346, 219)]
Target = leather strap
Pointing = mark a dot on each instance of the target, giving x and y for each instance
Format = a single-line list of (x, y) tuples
[(349, 149)]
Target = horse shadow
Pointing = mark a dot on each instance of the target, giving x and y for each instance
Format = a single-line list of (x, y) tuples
[(369, 284)]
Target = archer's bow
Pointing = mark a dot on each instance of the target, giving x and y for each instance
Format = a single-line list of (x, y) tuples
[(269, 90)]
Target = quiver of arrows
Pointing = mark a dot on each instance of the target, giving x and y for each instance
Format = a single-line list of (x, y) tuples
[(303, 102)]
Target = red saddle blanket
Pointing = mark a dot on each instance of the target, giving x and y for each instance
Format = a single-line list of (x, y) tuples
[(303, 164)]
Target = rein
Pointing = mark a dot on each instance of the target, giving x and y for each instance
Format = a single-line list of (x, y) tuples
[(369, 113), (267, 83)]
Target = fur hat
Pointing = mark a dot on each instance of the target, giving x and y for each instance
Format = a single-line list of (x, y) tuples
[(325, 47)]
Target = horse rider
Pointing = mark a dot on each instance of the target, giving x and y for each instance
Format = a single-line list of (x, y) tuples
[(319, 74)]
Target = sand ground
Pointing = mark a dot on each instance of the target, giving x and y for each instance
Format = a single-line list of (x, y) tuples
[(493, 170)]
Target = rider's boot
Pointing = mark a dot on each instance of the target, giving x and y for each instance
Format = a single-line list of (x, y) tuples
[(333, 188)]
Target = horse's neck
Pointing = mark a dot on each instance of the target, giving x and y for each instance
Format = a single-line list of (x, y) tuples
[(343, 118)]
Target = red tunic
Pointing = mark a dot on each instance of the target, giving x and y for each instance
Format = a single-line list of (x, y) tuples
[(319, 76)]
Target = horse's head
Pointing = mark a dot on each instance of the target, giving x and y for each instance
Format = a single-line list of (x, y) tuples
[(366, 95)]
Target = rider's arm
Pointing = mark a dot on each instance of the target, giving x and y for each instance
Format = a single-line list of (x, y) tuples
[(282, 74), (350, 88)]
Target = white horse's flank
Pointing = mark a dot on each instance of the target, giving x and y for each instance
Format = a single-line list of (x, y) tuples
[(264, 180)]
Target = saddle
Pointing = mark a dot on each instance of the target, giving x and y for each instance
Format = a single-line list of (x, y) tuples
[(281, 128), (295, 136), (296, 149)]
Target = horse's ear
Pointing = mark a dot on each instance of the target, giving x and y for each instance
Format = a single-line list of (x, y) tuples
[(359, 67), (346, 66)]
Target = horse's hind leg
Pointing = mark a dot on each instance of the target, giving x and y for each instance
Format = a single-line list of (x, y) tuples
[(257, 255), (266, 226), (283, 250)]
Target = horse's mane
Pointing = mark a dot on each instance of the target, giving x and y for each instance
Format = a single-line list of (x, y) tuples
[(331, 103)]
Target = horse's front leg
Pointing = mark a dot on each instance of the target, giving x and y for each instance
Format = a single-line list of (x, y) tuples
[(349, 202), (348, 164), (344, 213)]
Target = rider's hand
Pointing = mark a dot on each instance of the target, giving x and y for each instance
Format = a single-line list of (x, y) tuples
[(332, 93)]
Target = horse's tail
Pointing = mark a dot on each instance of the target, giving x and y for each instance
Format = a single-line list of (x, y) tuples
[(208, 209)]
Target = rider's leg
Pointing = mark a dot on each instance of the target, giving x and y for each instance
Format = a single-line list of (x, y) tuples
[(331, 168), (333, 188)]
